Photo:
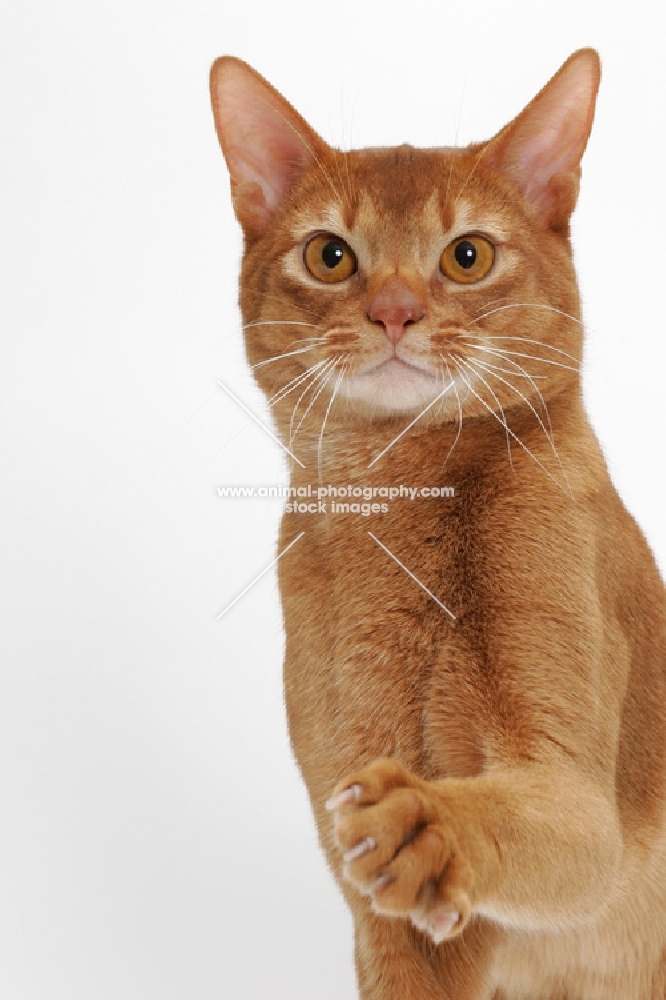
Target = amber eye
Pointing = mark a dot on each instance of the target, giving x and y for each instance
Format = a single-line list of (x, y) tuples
[(467, 259), (328, 258)]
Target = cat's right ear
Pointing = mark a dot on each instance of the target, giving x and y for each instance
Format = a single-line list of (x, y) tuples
[(266, 143)]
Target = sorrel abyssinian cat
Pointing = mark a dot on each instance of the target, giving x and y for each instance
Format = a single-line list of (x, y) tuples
[(483, 740)]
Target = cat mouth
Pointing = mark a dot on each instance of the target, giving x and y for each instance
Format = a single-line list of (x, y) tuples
[(393, 386), (396, 366)]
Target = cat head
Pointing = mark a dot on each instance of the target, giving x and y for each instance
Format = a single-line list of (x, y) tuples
[(394, 280)]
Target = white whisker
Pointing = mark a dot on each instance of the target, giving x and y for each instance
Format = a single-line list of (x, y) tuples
[(290, 305), (549, 436), (308, 386), (490, 390), (346, 188), (320, 442), (290, 386), (513, 388), (517, 354), (508, 371), (460, 415), (528, 305), (278, 322), (513, 435), (527, 340), (473, 169), (287, 354), (310, 151), (521, 373), (324, 374)]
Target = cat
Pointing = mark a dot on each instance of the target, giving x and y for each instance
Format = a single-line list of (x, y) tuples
[(475, 684)]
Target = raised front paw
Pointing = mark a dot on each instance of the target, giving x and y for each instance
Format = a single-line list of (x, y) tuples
[(399, 849)]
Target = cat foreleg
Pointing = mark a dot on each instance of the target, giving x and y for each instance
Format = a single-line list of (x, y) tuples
[(526, 848)]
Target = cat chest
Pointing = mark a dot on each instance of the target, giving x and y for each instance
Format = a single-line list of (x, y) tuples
[(368, 640)]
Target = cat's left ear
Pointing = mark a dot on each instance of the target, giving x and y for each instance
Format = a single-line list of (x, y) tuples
[(541, 149), (266, 143)]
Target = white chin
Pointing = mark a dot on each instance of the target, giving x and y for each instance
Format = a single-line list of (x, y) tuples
[(393, 387)]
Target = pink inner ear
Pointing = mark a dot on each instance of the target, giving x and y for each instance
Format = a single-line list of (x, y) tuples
[(269, 154), (543, 156), (267, 145), (550, 135)]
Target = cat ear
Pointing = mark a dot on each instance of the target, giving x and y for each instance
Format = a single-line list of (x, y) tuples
[(541, 149), (266, 143)]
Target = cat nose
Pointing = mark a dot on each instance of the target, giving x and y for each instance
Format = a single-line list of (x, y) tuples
[(395, 307)]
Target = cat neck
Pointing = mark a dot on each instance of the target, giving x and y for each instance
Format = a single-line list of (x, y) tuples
[(447, 454)]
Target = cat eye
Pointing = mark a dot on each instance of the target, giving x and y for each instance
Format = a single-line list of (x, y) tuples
[(328, 258), (467, 259)]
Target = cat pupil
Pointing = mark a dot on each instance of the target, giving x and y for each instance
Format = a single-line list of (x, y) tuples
[(465, 254), (332, 254)]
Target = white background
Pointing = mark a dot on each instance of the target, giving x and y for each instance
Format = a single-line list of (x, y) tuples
[(155, 841)]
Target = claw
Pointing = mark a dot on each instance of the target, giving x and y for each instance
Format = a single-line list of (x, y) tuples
[(386, 879), (363, 846), (441, 923), (344, 798)]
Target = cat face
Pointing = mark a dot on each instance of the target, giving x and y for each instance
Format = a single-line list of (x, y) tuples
[(396, 280)]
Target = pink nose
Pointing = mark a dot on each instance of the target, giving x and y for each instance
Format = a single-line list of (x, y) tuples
[(395, 306)]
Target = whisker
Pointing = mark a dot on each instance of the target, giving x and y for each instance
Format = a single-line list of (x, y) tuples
[(517, 354), (549, 436), (324, 374), (448, 181), (530, 340), (455, 139), (526, 340), (513, 435), (519, 393), (521, 373), (294, 383), (472, 171), (320, 442), (490, 390), (309, 149), (460, 416), (308, 386), (289, 304), (278, 322), (343, 153), (491, 302), (341, 179), (287, 354), (496, 138), (508, 371), (350, 183), (528, 305), (290, 386)]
